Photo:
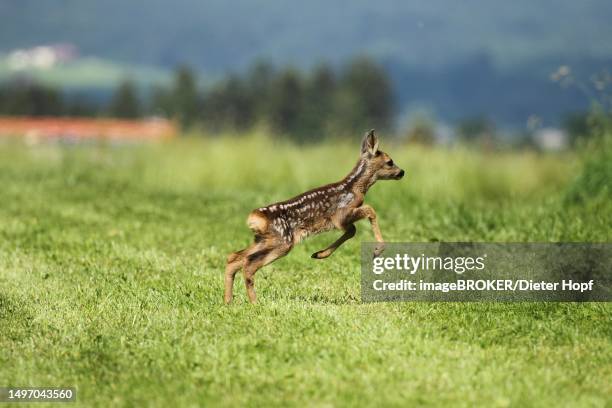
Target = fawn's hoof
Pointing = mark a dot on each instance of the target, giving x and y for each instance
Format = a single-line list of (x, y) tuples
[(378, 249), (320, 255)]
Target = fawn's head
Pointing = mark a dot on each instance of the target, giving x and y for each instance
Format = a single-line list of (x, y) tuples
[(378, 163)]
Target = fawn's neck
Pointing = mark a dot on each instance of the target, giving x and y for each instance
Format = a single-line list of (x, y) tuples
[(360, 179)]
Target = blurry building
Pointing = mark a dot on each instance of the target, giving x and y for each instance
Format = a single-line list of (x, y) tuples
[(41, 57), (83, 129), (551, 139)]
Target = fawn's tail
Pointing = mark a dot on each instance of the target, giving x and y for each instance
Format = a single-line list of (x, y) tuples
[(258, 222)]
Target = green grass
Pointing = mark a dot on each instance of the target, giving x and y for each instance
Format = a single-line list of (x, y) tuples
[(111, 270)]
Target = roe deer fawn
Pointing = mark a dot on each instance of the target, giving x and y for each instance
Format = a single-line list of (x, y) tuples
[(278, 227)]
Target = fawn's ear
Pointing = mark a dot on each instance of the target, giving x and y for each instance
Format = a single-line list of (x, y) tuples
[(370, 143)]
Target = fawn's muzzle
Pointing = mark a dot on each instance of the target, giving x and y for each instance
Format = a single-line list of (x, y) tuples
[(399, 175)]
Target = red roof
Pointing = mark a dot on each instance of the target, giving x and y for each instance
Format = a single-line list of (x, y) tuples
[(87, 128)]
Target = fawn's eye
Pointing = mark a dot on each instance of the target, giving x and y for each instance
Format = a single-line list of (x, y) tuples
[(390, 163)]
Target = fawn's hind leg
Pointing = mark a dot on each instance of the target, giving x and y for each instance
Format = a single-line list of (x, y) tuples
[(269, 253), (235, 261)]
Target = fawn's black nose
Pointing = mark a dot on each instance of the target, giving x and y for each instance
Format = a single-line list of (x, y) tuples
[(400, 174)]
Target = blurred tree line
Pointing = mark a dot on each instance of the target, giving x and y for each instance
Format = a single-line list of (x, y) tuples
[(302, 105)]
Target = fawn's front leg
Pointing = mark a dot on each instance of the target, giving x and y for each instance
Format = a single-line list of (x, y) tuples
[(365, 211), (349, 233)]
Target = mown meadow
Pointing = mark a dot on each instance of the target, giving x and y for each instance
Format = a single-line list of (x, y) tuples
[(111, 278)]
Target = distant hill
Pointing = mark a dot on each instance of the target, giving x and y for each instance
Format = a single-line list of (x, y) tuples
[(423, 43), (89, 73)]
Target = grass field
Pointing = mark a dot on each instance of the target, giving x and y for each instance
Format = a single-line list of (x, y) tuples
[(111, 274)]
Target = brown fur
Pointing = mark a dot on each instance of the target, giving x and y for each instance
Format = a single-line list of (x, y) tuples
[(278, 227)]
